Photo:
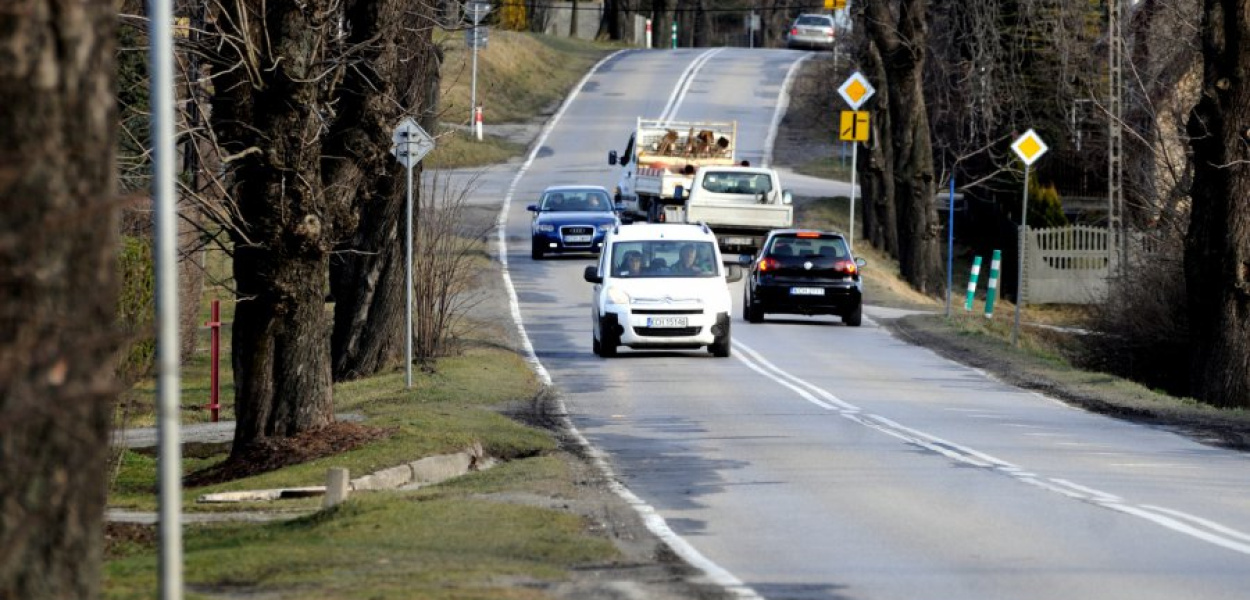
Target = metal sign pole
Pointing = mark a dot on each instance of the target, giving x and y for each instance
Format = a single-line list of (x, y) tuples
[(850, 228), (168, 385), (950, 245), (473, 93), (1020, 250), (408, 286)]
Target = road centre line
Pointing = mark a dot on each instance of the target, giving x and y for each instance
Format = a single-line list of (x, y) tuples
[(650, 516), (683, 86), (1215, 533)]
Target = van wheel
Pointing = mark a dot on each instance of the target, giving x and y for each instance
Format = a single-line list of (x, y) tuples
[(720, 347), (854, 317), (607, 341)]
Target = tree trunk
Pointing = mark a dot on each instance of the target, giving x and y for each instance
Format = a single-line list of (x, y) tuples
[(876, 167), (610, 21), (367, 277), (58, 269), (1217, 245), (901, 44), (269, 115)]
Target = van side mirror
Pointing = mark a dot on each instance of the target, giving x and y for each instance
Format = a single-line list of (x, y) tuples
[(786, 197), (612, 157), (591, 274)]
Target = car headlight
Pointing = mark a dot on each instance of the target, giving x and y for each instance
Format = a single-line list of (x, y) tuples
[(617, 296), (606, 226), (545, 227)]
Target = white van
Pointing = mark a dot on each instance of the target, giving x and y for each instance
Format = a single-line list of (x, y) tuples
[(662, 286)]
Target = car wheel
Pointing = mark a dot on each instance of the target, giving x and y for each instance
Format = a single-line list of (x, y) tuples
[(720, 346), (751, 311), (536, 250), (607, 337), (854, 317)]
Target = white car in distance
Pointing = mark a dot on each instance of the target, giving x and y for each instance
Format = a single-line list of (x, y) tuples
[(661, 286)]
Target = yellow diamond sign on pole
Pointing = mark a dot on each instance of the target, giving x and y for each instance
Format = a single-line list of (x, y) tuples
[(1029, 147), (856, 90), (854, 126), (835, 4)]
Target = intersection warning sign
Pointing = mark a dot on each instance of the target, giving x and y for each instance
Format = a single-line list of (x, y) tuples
[(854, 126)]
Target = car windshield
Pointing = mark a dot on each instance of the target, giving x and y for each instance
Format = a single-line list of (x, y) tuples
[(577, 201), (822, 246), (730, 182), (663, 258)]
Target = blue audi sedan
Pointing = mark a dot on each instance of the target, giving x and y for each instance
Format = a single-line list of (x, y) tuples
[(571, 219)]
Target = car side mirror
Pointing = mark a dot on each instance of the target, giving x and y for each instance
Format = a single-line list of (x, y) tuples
[(532, 208), (786, 197), (733, 272), (612, 157), (859, 262), (591, 274), (619, 207)]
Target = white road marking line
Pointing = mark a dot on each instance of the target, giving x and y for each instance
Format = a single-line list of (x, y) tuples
[(1218, 535)]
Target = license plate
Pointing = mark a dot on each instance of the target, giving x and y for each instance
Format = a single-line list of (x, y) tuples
[(807, 291), (737, 241), (666, 321), (577, 238)]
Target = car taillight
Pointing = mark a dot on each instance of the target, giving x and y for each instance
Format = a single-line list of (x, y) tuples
[(769, 264), (845, 266), (793, 31)]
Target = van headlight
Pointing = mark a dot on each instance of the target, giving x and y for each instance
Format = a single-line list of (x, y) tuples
[(617, 296)]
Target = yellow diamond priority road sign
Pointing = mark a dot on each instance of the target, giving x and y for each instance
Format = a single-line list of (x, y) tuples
[(856, 90), (1029, 147)]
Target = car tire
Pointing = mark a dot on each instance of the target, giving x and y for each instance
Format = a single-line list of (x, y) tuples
[(721, 346), (751, 312), (854, 317), (607, 336), (536, 251)]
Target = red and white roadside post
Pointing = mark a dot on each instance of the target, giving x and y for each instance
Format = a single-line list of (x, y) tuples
[(477, 122), (214, 353), (648, 33)]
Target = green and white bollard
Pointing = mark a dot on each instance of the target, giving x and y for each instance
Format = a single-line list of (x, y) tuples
[(972, 282), (991, 287), (674, 34)]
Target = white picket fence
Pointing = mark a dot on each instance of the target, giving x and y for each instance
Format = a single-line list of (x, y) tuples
[(1066, 265)]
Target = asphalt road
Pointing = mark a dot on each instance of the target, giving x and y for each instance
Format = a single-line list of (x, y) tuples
[(828, 462)]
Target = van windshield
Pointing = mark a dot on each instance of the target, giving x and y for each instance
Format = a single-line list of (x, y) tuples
[(663, 258)]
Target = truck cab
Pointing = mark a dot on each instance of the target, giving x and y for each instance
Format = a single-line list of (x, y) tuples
[(741, 204)]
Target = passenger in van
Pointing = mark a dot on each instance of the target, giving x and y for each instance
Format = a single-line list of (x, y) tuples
[(658, 266), (631, 266)]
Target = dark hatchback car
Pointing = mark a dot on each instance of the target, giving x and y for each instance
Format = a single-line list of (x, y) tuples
[(571, 219), (804, 272)]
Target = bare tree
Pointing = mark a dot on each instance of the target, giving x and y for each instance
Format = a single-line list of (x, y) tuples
[(897, 31), (58, 248), (276, 80), (1217, 252), (396, 73)]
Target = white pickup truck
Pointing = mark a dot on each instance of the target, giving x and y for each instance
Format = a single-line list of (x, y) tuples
[(663, 155), (740, 204)]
